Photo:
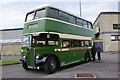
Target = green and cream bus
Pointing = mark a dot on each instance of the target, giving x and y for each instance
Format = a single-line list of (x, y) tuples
[(53, 38)]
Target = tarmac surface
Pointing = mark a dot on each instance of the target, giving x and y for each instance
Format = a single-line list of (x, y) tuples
[(106, 68)]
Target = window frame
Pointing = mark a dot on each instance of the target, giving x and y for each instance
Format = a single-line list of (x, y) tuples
[(57, 11), (63, 44), (39, 10), (28, 14), (79, 43), (115, 37), (63, 15)]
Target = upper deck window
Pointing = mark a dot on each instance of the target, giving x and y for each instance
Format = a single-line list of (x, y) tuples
[(40, 13), (30, 16), (71, 19), (53, 13), (63, 16), (90, 25), (80, 22), (85, 24)]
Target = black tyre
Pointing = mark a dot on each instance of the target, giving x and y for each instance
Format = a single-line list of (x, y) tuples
[(50, 65), (25, 66), (87, 56)]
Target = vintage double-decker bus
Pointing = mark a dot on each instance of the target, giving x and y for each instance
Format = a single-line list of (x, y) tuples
[(53, 38)]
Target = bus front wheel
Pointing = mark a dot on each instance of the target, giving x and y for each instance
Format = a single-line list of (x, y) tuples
[(25, 66), (50, 65)]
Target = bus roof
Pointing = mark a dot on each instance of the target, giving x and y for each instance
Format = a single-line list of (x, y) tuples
[(51, 6)]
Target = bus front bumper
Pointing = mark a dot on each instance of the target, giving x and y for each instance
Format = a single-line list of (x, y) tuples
[(36, 61), (22, 59)]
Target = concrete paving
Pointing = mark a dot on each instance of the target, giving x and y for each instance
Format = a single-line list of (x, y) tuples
[(106, 68)]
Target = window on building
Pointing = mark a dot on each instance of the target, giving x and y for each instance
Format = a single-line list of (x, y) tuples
[(115, 37), (40, 13), (52, 13), (116, 26)]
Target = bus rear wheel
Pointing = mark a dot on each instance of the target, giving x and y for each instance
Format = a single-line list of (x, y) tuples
[(25, 65), (87, 56), (50, 65)]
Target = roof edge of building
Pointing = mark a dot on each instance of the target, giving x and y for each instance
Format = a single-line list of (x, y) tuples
[(105, 13), (11, 29)]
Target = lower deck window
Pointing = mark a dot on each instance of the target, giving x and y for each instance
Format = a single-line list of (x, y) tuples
[(65, 43), (38, 42), (52, 42), (86, 43), (74, 43)]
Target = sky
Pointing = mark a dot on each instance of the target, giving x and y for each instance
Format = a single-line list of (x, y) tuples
[(12, 12)]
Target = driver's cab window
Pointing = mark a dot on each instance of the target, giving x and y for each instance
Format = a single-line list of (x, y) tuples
[(38, 41), (42, 40)]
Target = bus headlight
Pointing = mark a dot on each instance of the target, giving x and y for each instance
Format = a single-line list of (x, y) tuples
[(22, 50), (37, 56), (24, 56)]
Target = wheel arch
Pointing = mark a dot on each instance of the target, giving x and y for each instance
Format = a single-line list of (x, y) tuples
[(50, 55)]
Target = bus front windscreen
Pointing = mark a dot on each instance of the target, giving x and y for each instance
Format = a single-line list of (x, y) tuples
[(26, 41), (38, 14), (30, 16)]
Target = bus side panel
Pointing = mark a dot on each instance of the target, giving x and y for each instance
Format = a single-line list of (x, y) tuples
[(73, 56)]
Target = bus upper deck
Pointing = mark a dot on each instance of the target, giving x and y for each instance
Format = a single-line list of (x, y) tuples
[(51, 19)]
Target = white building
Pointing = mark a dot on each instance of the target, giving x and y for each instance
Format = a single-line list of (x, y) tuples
[(107, 31), (10, 41)]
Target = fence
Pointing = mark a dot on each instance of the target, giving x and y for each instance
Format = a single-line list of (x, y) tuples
[(10, 51)]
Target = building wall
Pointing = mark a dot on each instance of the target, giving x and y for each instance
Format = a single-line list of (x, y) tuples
[(106, 22), (109, 45), (9, 48), (11, 34)]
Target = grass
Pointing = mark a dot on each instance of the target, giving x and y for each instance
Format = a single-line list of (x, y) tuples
[(2, 62)]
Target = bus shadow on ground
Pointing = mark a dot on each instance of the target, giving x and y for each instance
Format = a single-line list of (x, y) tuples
[(72, 65), (37, 71), (61, 69)]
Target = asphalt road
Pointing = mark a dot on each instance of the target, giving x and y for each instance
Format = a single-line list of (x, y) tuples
[(106, 68)]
